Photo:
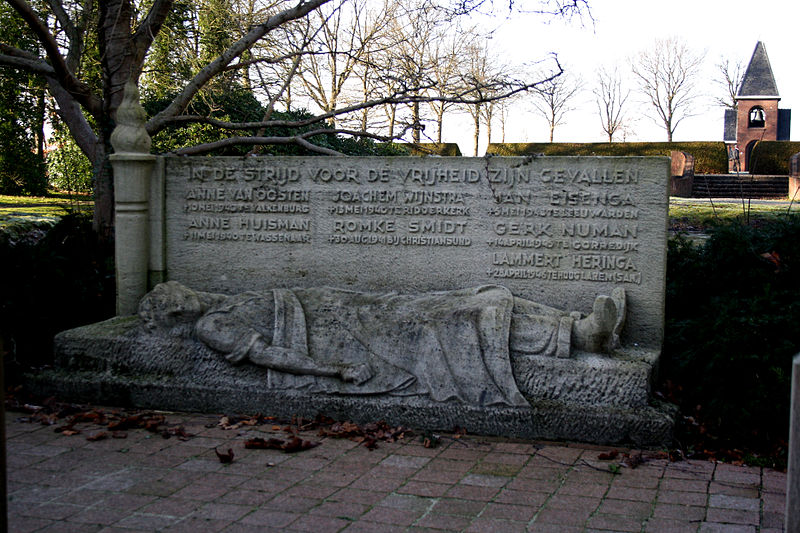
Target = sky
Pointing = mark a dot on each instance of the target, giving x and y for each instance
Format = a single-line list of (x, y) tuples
[(721, 29)]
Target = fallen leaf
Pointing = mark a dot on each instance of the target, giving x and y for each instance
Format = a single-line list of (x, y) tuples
[(296, 444), (261, 444), (608, 456), (225, 458), (100, 435)]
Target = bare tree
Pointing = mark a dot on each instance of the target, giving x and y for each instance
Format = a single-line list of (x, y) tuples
[(552, 99), (610, 97), (448, 51), (347, 36), (667, 73), (729, 78)]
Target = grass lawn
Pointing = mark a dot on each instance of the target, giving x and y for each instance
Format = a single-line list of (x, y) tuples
[(694, 215), (33, 209)]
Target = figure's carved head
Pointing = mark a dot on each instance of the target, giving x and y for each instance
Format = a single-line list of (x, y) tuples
[(168, 305)]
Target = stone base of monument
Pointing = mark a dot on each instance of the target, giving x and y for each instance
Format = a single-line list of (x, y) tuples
[(589, 397)]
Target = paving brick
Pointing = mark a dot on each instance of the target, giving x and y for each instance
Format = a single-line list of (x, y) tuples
[(481, 480), (346, 510), (438, 476), (684, 485), (373, 527), (48, 511), (774, 502), (682, 498), (562, 517), (495, 525), (618, 492), (368, 497), (734, 502), (567, 501), (293, 504), (405, 461), (472, 492), (520, 448), (496, 469), (98, 516), (382, 484), (774, 481), (742, 475), (731, 516), (534, 485), (404, 501), (734, 489), (171, 507), (554, 528), (638, 510), (451, 506), (421, 488), (668, 525), (444, 522), (319, 524), (521, 497), (518, 513), (451, 465), (222, 511), (679, 512), (543, 473), (583, 489), (714, 527), (392, 516), (146, 522), (773, 520), (269, 518), (614, 522)]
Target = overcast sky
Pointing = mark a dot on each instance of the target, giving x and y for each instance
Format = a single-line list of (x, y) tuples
[(621, 28)]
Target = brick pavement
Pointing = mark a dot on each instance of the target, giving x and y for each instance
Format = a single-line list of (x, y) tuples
[(147, 483)]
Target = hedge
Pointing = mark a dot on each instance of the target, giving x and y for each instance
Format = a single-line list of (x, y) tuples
[(772, 157), (709, 157)]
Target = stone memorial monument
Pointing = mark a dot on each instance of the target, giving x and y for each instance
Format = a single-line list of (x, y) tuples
[(517, 296)]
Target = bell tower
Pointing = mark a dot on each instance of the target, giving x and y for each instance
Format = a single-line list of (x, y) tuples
[(756, 117)]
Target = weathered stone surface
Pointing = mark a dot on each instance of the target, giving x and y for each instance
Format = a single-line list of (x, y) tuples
[(114, 362), (558, 231)]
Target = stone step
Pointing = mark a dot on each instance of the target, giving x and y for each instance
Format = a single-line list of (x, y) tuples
[(727, 186)]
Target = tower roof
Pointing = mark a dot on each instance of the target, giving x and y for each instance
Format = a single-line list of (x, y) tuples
[(758, 80)]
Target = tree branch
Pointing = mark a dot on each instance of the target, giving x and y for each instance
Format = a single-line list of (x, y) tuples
[(158, 122), (237, 141), (149, 28), (79, 90)]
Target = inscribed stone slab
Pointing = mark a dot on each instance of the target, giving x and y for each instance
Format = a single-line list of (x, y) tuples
[(556, 230)]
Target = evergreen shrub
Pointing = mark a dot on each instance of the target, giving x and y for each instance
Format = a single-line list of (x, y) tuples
[(732, 315), (772, 157), (60, 281), (709, 157)]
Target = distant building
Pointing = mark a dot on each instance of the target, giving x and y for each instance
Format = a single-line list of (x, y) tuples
[(756, 117)]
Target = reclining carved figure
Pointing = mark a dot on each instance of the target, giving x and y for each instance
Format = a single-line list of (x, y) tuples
[(450, 345)]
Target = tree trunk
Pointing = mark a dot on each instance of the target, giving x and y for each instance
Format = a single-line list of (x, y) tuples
[(477, 118), (415, 133), (103, 223)]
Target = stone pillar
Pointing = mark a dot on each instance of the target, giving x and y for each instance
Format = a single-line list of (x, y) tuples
[(132, 163), (793, 477)]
